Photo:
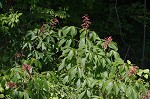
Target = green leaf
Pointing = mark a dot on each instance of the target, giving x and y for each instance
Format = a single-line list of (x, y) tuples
[(62, 65), (146, 70), (65, 80), (140, 73), (5, 58), (68, 66), (39, 45), (104, 74), (81, 95), (129, 91), (116, 54), (61, 42), (89, 43), (134, 94), (0, 5), (116, 88), (103, 62), (66, 30), (83, 33), (1, 89), (146, 76), (122, 86), (65, 52), (78, 83), (3, 82), (2, 96), (26, 96), (93, 83), (84, 83), (37, 63), (113, 46), (88, 93), (83, 60), (21, 94), (70, 55), (121, 68), (68, 43), (46, 85), (43, 46), (73, 73), (79, 73), (109, 86), (33, 37), (128, 62), (82, 43), (73, 31), (101, 82), (25, 45)]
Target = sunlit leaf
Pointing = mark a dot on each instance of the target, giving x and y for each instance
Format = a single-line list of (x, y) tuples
[(146, 70), (81, 95), (146, 76), (70, 55), (62, 65), (116, 88), (61, 42), (88, 93), (26, 96), (73, 73), (83, 60), (82, 43), (73, 31), (65, 80), (78, 83)]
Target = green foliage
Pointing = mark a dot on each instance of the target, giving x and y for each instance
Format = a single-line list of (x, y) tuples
[(9, 20), (46, 62), (94, 70), (85, 68)]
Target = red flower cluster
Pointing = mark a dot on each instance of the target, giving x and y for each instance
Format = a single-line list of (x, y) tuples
[(18, 55), (54, 22), (43, 27), (108, 40), (86, 21), (132, 70), (11, 84), (27, 68)]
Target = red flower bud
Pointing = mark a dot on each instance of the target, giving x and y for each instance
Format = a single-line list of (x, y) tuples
[(11, 84), (108, 40)]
